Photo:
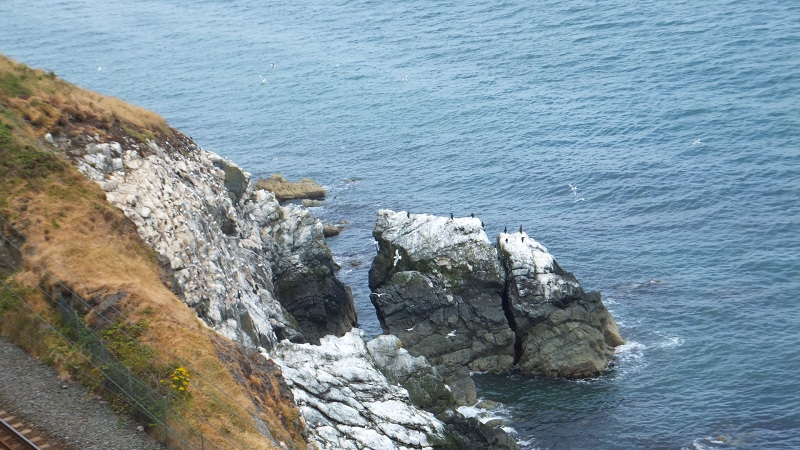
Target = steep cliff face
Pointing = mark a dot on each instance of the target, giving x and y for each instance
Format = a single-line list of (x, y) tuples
[(452, 296), (254, 270)]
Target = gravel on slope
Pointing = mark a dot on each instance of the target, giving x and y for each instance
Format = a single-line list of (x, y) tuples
[(61, 412)]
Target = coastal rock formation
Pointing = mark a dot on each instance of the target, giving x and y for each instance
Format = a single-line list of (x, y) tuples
[(442, 297), (234, 253), (365, 395), (453, 297), (348, 402), (561, 330), (287, 190), (304, 276)]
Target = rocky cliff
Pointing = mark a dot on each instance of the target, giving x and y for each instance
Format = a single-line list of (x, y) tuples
[(252, 269), (452, 296), (261, 273)]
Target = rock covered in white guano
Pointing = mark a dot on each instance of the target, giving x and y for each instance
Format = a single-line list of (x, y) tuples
[(426, 388), (437, 285), (562, 330), (348, 403), (304, 276), (222, 254), (452, 296)]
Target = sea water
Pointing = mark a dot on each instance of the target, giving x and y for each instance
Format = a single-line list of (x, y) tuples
[(679, 123)]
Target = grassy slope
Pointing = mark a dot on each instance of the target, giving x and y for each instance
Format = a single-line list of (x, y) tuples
[(76, 237)]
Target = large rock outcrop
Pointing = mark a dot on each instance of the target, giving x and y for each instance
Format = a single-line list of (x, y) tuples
[(453, 297), (234, 253), (438, 286), (364, 395)]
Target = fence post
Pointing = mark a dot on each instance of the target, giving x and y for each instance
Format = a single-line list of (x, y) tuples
[(166, 430)]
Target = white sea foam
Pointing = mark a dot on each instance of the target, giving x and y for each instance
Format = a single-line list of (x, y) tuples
[(630, 358), (669, 342)]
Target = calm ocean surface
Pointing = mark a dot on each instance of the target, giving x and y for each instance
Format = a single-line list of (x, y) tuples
[(678, 121)]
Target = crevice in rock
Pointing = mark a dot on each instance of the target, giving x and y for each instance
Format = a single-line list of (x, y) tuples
[(509, 312)]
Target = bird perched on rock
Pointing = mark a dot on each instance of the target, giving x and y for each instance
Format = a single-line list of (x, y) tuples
[(377, 246), (397, 256), (472, 215), (520, 228), (505, 230), (408, 215), (451, 216)]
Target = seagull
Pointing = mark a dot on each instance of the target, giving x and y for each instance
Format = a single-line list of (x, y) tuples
[(100, 69), (272, 66), (377, 294), (574, 189), (337, 64), (579, 199), (263, 80), (396, 256), (697, 142), (377, 246), (452, 334), (410, 329)]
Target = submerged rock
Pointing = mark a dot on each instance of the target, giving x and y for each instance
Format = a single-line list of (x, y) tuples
[(451, 296)]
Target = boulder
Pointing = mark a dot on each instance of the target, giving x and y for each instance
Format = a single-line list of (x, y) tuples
[(561, 330), (438, 286)]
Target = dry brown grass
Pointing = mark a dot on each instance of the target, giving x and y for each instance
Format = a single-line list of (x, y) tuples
[(74, 236), (50, 105)]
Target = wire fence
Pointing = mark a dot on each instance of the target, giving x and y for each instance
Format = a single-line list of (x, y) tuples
[(139, 393)]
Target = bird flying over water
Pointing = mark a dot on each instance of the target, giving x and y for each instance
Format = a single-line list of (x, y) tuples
[(263, 80), (452, 334), (574, 189), (410, 329)]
